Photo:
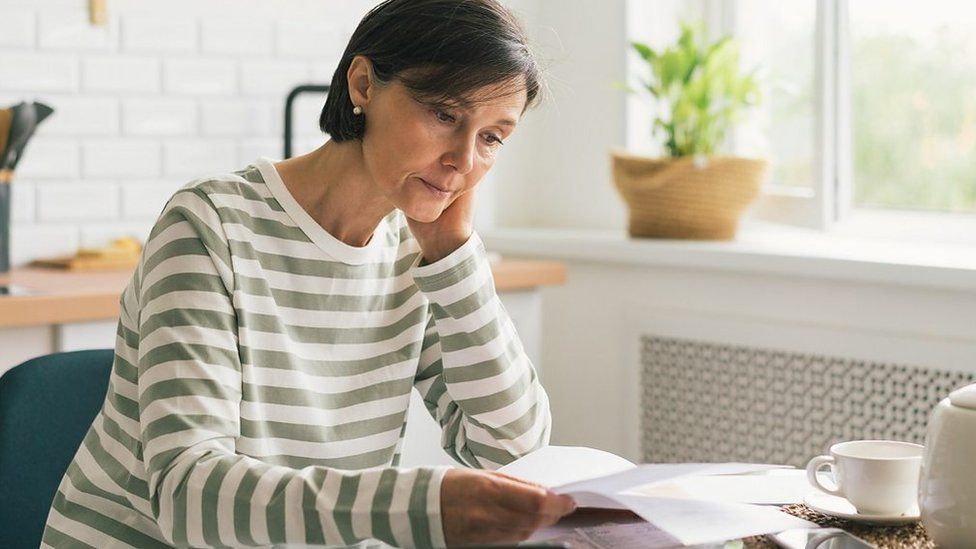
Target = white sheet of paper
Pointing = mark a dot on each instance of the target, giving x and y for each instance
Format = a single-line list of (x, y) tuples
[(695, 521), (557, 465), (582, 473), (643, 475), (777, 487)]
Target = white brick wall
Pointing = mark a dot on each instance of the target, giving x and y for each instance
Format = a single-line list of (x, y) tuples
[(163, 93), (121, 158), (24, 70), (79, 116), (159, 117), (62, 29), (150, 34), (120, 74), (195, 76), (18, 29), (76, 201)]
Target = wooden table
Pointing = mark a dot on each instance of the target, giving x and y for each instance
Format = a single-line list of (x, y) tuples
[(57, 297)]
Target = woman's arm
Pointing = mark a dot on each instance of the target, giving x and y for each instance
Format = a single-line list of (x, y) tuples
[(474, 375), (202, 492)]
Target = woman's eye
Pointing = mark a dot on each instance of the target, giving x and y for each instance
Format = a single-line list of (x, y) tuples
[(493, 139), (443, 116)]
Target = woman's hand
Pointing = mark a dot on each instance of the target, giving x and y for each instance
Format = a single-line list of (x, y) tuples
[(448, 232), (489, 507)]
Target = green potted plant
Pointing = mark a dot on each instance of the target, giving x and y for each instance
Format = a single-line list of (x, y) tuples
[(693, 192)]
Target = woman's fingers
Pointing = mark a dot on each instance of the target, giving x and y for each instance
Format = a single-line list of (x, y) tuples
[(533, 499), (486, 507), (516, 479)]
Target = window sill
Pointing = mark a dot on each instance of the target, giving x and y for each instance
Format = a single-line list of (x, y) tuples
[(763, 248)]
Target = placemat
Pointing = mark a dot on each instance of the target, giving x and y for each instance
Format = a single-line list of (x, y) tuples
[(902, 536)]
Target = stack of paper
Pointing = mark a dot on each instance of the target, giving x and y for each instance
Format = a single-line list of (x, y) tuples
[(694, 503)]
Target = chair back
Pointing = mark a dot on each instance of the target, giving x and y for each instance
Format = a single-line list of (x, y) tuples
[(47, 405)]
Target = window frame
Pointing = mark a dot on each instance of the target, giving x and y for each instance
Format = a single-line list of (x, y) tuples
[(828, 203), (820, 205)]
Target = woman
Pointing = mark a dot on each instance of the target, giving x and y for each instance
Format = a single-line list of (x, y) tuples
[(280, 316)]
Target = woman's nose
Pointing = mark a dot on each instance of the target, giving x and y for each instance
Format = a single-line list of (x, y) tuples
[(461, 155)]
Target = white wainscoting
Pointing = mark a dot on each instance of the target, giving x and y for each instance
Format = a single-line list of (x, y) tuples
[(592, 327), (733, 388)]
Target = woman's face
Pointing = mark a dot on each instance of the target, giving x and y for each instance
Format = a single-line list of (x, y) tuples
[(422, 156)]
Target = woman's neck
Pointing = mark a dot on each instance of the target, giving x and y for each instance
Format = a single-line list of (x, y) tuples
[(332, 184)]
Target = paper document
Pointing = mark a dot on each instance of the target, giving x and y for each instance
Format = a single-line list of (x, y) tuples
[(558, 465), (775, 487), (642, 535), (654, 492)]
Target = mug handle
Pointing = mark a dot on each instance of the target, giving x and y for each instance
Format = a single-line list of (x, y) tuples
[(814, 467)]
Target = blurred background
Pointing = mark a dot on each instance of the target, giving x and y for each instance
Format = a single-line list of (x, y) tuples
[(846, 306)]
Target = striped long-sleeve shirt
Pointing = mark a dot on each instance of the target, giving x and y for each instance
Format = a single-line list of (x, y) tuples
[(262, 375)]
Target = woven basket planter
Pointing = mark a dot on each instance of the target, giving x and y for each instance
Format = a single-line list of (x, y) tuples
[(686, 197)]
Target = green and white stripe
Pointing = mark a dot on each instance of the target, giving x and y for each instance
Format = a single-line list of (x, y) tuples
[(262, 376)]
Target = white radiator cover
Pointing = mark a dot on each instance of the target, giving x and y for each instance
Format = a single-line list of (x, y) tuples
[(712, 401)]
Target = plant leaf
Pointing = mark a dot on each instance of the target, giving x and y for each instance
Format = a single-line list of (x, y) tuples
[(645, 51), (700, 89)]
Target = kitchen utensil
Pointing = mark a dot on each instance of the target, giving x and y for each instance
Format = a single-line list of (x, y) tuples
[(22, 116), (17, 125), (26, 117), (41, 111), (4, 223), (6, 117)]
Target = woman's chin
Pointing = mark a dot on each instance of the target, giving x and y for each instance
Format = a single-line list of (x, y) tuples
[(423, 215)]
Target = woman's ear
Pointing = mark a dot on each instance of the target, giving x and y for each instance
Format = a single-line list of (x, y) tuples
[(360, 78)]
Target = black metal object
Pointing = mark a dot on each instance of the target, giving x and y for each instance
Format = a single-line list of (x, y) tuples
[(24, 120), (4, 227), (288, 106), (26, 117)]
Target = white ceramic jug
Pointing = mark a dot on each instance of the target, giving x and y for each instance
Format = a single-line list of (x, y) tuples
[(947, 487)]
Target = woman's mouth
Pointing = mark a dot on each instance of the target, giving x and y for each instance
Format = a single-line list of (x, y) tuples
[(436, 191)]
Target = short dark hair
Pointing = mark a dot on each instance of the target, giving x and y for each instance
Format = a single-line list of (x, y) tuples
[(441, 50)]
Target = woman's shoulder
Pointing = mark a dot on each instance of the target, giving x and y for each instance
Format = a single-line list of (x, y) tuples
[(243, 190), (246, 183), (209, 201)]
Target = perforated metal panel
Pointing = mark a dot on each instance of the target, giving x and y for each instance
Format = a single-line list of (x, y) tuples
[(713, 402)]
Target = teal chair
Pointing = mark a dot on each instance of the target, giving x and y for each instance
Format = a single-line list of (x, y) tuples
[(46, 406)]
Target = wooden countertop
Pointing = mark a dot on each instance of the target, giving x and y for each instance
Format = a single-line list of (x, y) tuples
[(58, 297)]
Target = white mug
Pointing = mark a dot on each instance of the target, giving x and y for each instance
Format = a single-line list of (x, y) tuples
[(878, 477)]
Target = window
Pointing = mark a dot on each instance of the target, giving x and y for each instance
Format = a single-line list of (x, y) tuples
[(913, 93), (869, 111), (778, 37)]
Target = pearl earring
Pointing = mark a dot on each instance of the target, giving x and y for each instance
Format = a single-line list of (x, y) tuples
[(357, 110)]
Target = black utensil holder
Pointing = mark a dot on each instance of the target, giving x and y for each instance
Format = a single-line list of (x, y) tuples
[(5, 227)]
